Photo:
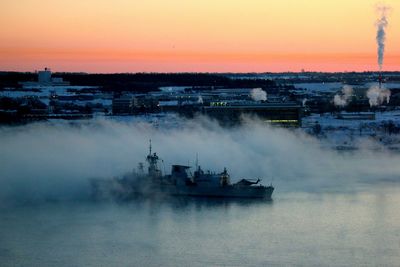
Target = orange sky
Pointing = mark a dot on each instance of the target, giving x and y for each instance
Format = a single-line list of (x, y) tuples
[(194, 35)]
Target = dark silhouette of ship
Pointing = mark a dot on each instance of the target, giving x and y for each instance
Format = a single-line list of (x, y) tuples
[(179, 183)]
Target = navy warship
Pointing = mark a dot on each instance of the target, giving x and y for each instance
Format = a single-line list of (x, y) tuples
[(181, 182)]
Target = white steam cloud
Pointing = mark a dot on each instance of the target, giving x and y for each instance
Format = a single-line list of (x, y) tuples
[(200, 100), (44, 160), (381, 25), (257, 94), (377, 96), (341, 100)]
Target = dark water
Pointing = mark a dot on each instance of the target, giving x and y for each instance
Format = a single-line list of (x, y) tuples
[(302, 229)]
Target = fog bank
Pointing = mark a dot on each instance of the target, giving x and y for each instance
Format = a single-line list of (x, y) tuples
[(55, 160)]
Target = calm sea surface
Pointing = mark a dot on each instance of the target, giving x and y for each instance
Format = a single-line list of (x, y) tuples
[(302, 229)]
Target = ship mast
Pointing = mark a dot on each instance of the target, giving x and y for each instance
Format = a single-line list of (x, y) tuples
[(150, 147), (152, 160)]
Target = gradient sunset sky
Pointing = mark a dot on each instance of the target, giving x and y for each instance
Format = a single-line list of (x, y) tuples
[(195, 35)]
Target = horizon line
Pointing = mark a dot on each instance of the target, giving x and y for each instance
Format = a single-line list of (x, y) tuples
[(204, 72)]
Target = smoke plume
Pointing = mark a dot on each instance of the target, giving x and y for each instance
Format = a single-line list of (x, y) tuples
[(377, 96), (341, 100), (381, 25), (257, 94), (200, 100)]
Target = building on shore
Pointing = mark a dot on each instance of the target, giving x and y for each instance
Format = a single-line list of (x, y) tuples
[(45, 79), (122, 105), (283, 114)]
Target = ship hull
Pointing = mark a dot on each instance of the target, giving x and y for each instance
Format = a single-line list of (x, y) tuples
[(224, 192), (116, 189)]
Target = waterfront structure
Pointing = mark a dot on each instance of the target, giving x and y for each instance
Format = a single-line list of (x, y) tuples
[(284, 114)]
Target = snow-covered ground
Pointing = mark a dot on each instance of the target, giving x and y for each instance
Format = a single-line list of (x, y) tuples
[(173, 89), (44, 92), (390, 85), (353, 134), (319, 87), (336, 86)]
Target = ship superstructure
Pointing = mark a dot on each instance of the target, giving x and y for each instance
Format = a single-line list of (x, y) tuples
[(179, 183)]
